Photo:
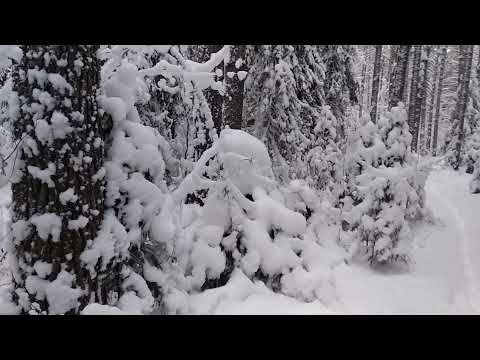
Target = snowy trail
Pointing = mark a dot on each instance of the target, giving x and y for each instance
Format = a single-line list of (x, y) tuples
[(451, 189)]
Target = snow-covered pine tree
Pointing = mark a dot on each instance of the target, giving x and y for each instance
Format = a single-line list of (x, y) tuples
[(278, 112), (340, 87), (58, 183), (395, 135), (325, 158), (387, 189), (178, 109), (285, 95)]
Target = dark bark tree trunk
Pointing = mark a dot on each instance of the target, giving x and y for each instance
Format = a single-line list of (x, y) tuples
[(463, 101), (428, 142), (56, 201), (234, 83), (439, 99), (415, 106), (398, 76), (376, 83)]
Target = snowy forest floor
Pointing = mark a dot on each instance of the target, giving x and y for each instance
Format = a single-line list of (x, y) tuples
[(442, 279)]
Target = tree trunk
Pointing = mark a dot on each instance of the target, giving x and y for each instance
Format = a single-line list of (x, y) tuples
[(376, 83), (463, 101), (58, 207), (214, 97), (415, 106), (423, 94), (428, 142), (362, 90), (398, 76), (391, 66), (408, 73), (235, 69), (439, 99)]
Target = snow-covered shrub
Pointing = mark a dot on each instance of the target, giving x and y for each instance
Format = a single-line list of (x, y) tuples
[(387, 189), (243, 222), (474, 185), (472, 152), (178, 109), (325, 158), (396, 137)]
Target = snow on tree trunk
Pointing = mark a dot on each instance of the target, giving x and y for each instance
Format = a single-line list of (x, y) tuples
[(59, 183), (433, 94), (214, 97), (439, 99), (340, 87), (376, 83), (399, 76), (234, 75), (462, 105), (391, 67), (424, 93), (415, 106), (362, 90)]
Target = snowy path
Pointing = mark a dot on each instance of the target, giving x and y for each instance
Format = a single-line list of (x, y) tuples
[(451, 190)]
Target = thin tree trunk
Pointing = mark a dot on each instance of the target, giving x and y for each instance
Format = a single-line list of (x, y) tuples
[(235, 68), (376, 83), (362, 90), (463, 101), (423, 94), (432, 103), (202, 53), (439, 99), (399, 76), (415, 106), (406, 96), (214, 98), (391, 67)]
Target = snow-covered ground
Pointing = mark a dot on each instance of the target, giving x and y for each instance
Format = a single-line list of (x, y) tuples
[(443, 279)]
